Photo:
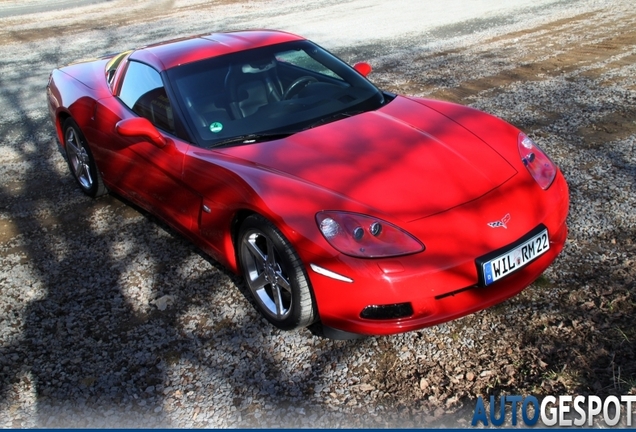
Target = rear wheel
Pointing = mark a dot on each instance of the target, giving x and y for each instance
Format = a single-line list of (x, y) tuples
[(80, 161), (275, 275)]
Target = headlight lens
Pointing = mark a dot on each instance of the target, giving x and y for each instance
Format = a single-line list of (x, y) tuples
[(365, 236), (536, 161)]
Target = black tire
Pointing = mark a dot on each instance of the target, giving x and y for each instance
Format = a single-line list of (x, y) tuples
[(275, 275), (80, 160)]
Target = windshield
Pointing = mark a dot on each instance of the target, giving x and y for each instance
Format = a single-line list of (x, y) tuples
[(270, 91)]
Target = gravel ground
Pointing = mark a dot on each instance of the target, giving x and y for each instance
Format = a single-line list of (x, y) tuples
[(110, 319)]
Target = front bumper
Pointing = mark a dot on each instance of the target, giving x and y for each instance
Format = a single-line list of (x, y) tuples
[(441, 283)]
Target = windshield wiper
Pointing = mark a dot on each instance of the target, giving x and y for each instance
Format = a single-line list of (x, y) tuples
[(332, 118), (260, 137), (251, 138)]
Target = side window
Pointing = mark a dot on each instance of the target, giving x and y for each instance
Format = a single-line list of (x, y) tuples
[(143, 92)]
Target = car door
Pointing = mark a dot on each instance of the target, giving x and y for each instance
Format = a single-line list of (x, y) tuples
[(148, 173)]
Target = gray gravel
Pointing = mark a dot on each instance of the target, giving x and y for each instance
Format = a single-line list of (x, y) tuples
[(111, 319)]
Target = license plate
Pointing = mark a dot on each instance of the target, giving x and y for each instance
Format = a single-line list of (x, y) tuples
[(515, 258)]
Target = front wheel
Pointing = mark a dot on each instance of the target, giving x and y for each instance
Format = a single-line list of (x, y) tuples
[(275, 275), (80, 160)]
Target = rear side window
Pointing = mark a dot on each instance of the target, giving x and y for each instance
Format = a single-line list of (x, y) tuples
[(143, 92)]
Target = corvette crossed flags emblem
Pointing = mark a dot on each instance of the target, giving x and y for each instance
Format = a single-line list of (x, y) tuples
[(500, 223)]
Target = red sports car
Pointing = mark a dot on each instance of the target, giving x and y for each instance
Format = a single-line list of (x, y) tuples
[(339, 203)]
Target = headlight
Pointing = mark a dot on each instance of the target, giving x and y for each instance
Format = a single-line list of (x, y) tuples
[(538, 163), (365, 236)]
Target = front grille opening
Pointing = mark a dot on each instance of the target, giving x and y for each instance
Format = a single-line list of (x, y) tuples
[(386, 312)]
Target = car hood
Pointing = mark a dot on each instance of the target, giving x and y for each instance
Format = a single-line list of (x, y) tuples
[(405, 159)]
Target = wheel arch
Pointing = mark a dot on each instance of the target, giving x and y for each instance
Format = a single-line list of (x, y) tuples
[(60, 119), (235, 228)]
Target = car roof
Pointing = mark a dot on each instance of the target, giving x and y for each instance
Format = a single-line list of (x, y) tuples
[(166, 55)]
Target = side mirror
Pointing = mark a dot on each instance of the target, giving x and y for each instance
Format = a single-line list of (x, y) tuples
[(363, 68), (139, 126)]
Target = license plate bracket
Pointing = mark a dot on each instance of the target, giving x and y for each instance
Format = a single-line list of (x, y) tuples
[(513, 257)]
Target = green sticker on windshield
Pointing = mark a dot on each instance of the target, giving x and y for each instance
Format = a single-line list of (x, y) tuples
[(216, 127)]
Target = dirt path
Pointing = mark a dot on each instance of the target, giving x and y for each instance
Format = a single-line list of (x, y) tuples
[(584, 46)]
